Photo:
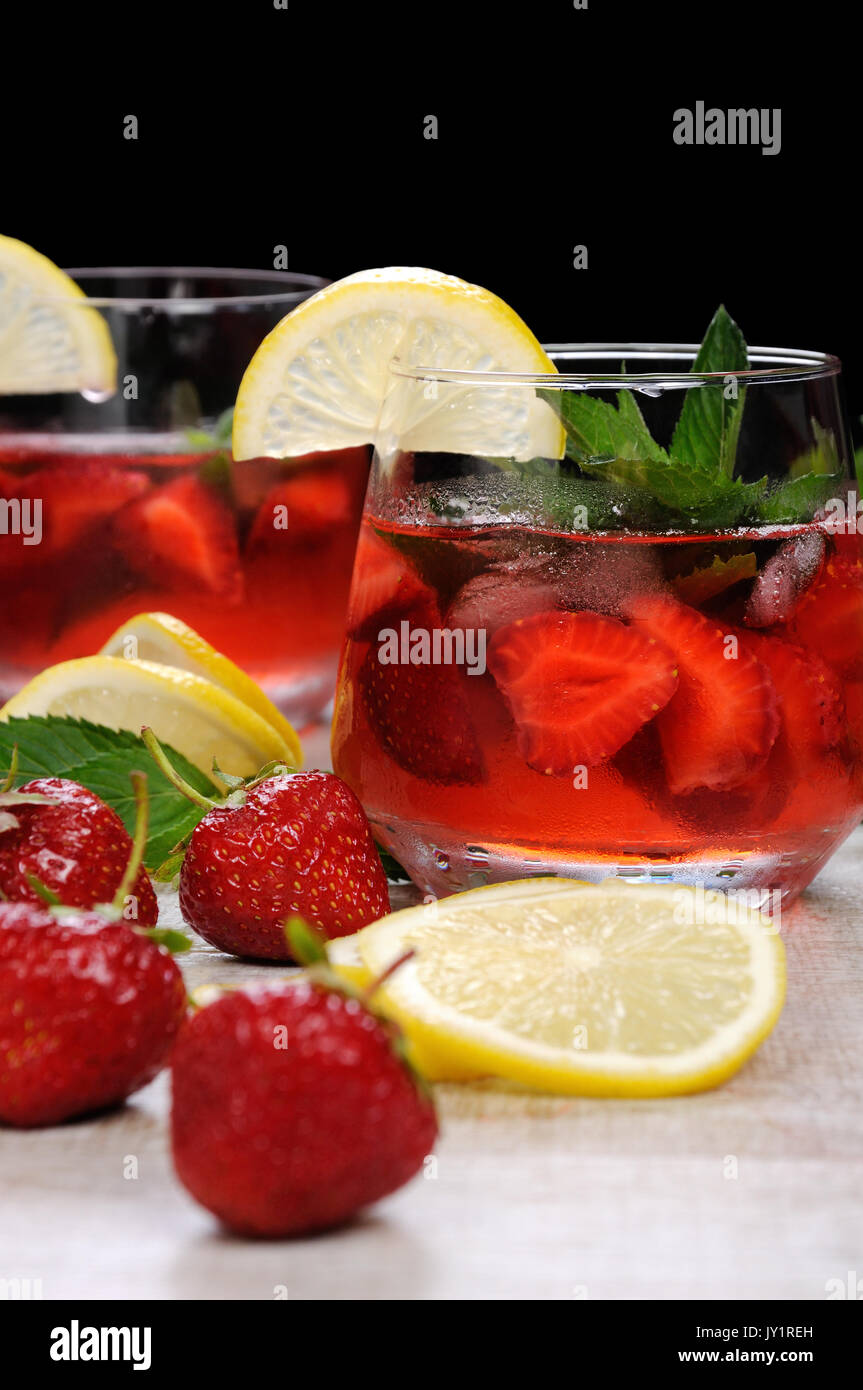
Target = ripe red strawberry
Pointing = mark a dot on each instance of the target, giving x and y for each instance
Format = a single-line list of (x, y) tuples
[(723, 720), (829, 618), (78, 849), (300, 508), (298, 844), (292, 1109), (185, 530), (419, 713), (385, 586), (88, 1011), (580, 685), (75, 497)]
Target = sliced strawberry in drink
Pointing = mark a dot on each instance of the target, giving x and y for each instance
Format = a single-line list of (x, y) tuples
[(829, 617), (301, 508), (385, 585), (183, 530), (73, 499), (784, 580), (810, 696), (419, 712), (579, 685), (724, 718)]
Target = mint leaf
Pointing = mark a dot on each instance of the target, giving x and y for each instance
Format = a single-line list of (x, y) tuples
[(597, 432), (707, 431), (797, 499), (101, 759)]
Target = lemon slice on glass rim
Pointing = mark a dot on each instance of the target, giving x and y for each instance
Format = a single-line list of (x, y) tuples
[(50, 340), (611, 989), (319, 380)]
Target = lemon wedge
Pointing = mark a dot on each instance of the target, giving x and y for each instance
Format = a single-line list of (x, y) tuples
[(609, 989), (50, 340), (187, 711), (319, 380), (168, 641)]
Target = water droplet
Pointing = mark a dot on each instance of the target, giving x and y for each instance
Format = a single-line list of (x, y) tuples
[(96, 397), (441, 859)]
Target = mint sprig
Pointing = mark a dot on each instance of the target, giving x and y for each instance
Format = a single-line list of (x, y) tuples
[(101, 759), (693, 482)]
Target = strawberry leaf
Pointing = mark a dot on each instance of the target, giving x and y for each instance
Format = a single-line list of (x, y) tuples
[(101, 760)]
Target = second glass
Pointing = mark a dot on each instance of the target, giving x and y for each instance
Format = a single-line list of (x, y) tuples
[(143, 507)]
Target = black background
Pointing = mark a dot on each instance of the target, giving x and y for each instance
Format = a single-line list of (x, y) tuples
[(304, 127)]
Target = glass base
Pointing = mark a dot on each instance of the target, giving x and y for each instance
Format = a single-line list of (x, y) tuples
[(440, 863)]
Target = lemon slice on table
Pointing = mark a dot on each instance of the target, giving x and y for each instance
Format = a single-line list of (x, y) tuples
[(169, 641), (609, 989), (49, 339), (319, 379), (187, 711)]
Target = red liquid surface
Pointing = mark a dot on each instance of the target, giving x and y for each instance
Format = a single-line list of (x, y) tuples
[(255, 555), (802, 591)]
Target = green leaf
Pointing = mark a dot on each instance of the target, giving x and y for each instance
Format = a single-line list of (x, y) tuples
[(707, 431), (798, 499), (597, 432), (101, 759)]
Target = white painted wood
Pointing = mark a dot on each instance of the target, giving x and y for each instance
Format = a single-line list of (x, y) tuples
[(533, 1198)]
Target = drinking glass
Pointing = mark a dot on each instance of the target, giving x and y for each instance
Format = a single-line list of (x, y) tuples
[(143, 507), (596, 665)]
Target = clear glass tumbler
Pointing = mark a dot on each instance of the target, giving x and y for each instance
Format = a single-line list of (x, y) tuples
[(142, 506), (614, 626)]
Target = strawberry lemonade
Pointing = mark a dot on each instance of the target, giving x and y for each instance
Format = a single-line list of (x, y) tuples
[(254, 554), (120, 490), (648, 704)]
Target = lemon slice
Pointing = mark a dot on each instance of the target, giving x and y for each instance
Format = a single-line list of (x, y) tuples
[(49, 339), (611, 989), (319, 380), (187, 711), (167, 640)]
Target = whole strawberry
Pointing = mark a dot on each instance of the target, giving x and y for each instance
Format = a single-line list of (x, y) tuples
[(89, 1008), (77, 847), (292, 1109), (284, 844)]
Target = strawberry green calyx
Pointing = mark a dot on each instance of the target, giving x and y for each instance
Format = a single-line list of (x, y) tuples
[(237, 786)]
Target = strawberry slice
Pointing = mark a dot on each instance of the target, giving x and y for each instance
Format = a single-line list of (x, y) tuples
[(810, 696), (579, 685), (301, 508), (724, 718), (829, 617), (385, 585), (183, 530), (75, 498), (419, 712)]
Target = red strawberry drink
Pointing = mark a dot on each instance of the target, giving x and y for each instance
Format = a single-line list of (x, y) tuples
[(131, 501), (256, 555), (519, 695)]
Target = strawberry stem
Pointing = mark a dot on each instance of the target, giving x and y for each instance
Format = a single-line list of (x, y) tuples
[(139, 839), (157, 753), (6, 785), (49, 898), (375, 985)]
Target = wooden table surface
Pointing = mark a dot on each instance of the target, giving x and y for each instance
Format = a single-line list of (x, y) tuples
[(751, 1191)]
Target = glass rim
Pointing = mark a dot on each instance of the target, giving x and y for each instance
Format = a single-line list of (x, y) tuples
[(778, 365), (297, 286)]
